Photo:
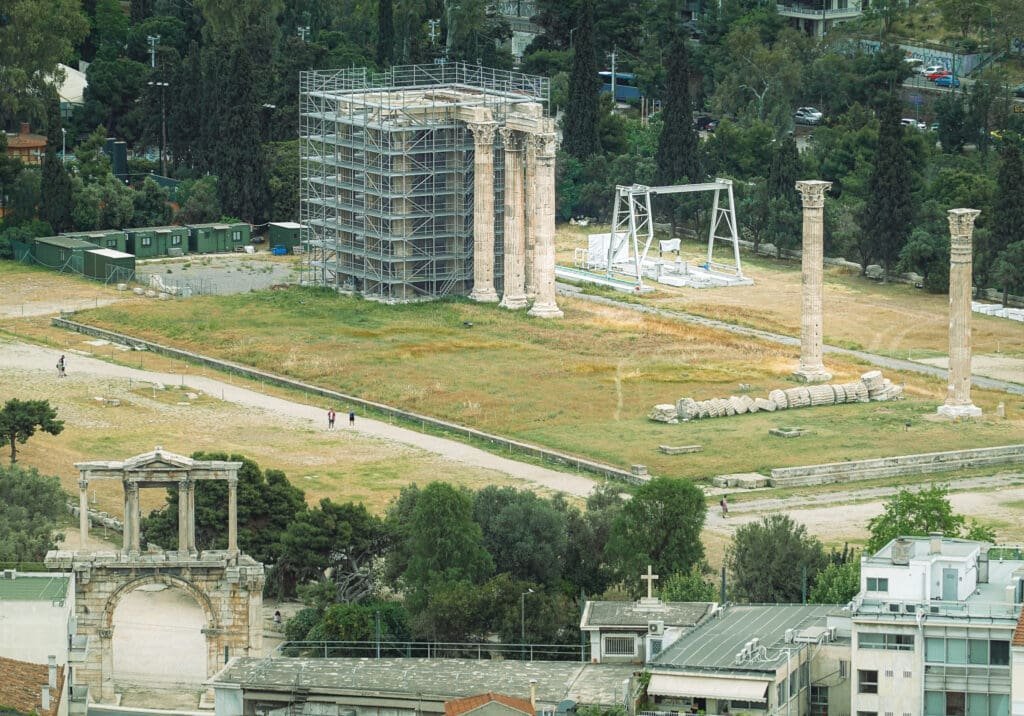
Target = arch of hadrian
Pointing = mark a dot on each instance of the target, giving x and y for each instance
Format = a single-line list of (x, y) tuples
[(226, 584), (429, 181)]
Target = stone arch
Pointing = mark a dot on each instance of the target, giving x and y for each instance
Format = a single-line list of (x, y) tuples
[(212, 632)]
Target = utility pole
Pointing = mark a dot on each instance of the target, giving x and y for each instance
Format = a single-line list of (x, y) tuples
[(163, 124), (613, 77), (153, 41), (303, 31), (433, 30)]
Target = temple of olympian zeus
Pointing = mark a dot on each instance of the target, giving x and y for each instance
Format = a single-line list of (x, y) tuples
[(226, 584), (428, 181)]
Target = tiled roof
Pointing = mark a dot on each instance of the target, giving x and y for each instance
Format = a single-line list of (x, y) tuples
[(22, 684), (1018, 634), (471, 703), (638, 614)]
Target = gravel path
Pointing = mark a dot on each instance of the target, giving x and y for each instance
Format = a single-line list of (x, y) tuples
[(27, 357), (880, 361)]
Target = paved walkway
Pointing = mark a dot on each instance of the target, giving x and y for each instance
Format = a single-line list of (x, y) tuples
[(978, 381), (24, 356)]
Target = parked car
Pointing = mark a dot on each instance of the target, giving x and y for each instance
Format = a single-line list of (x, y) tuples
[(932, 69), (1019, 90), (807, 115), (934, 127), (911, 122), (705, 124), (947, 81), (932, 76)]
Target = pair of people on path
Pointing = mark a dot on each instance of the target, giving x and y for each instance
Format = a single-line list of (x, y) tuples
[(331, 416)]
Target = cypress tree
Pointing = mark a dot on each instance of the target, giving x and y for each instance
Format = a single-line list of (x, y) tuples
[(57, 200), (677, 157), (1007, 224), (580, 135), (385, 32), (887, 215)]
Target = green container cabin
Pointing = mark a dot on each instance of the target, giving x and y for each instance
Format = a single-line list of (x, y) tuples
[(109, 265), (116, 240), (61, 253), (218, 238), (284, 233), (153, 241)]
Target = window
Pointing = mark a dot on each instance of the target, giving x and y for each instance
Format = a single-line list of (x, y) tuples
[(655, 645), (867, 713), (999, 653), (976, 652), (236, 235), (804, 674), (867, 681), (175, 241), (620, 646), (958, 703), (891, 642), (147, 240), (781, 693), (819, 701), (956, 651), (844, 668), (878, 584), (111, 243)]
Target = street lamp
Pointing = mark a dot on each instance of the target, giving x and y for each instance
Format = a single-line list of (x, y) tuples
[(522, 616), (163, 125), (63, 145)]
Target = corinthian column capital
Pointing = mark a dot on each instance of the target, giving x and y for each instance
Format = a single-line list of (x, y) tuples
[(812, 193), (483, 132)]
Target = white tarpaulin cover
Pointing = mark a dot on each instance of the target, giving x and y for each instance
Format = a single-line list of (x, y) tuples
[(708, 688), (597, 250)]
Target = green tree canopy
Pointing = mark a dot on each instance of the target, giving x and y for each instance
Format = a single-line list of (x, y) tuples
[(918, 513), (689, 586), (768, 559), (19, 420), (580, 128), (661, 527), (31, 506), (836, 584), (677, 156)]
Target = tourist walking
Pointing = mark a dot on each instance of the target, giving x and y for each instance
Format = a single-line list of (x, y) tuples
[(352, 418), (330, 419), (61, 368), (725, 506)]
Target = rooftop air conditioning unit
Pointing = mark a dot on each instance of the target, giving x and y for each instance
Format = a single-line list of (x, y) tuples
[(831, 633), (789, 635), (656, 628), (9, 573)]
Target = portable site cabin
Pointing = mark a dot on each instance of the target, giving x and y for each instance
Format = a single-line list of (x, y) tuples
[(109, 266), (116, 240), (61, 253), (284, 233), (217, 238), (158, 241)]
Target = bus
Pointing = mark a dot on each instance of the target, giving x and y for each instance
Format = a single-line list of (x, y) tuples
[(625, 86)]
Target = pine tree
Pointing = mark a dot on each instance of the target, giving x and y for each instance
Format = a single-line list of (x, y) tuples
[(57, 200), (1007, 225), (888, 212), (385, 32), (677, 156), (580, 133)]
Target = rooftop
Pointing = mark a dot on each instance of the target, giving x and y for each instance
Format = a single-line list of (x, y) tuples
[(66, 242), (25, 139), (33, 587), (713, 645), (920, 548), (111, 254), (440, 679), (638, 614), (471, 703), (22, 684)]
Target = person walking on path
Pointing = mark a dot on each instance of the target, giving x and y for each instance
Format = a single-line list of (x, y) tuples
[(330, 419), (352, 418), (725, 506), (61, 368)]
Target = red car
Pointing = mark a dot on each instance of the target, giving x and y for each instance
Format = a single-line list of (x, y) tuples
[(936, 75)]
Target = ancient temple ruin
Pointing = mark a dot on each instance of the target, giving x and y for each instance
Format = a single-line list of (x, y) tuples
[(428, 181)]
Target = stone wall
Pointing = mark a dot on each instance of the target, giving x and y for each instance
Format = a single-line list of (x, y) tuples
[(424, 421), (898, 466)]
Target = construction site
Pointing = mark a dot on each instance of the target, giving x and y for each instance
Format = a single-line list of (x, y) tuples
[(413, 183)]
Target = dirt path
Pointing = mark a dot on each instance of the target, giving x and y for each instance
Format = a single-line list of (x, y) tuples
[(26, 357)]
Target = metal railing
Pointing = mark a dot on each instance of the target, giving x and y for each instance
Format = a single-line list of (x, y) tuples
[(480, 651)]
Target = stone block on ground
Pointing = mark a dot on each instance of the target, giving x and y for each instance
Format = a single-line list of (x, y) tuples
[(872, 380), (779, 398), (741, 480), (737, 405), (763, 404), (664, 413), (787, 432), (687, 409), (874, 272), (680, 449)]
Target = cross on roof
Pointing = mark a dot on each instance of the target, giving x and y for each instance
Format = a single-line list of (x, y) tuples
[(649, 578)]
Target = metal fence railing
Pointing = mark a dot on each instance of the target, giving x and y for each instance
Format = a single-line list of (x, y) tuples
[(433, 650)]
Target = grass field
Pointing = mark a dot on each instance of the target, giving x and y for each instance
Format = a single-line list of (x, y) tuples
[(583, 384)]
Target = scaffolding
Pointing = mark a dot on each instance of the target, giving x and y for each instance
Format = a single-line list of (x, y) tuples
[(386, 175)]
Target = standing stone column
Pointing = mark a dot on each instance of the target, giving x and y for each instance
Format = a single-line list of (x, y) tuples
[(530, 204), (483, 211), (958, 393), (514, 293), (545, 306), (233, 514), (83, 513), (183, 515), (126, 530), (190, 493), (811, 369)]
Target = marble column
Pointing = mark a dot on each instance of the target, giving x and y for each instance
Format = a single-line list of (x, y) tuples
[(132, 514), (83, 513), (233, 514), (483, 211), (126, 529), (530, 205), (811, 369), (183, 515), (514, 292), (191, 532), (958, 393), (545, 305)]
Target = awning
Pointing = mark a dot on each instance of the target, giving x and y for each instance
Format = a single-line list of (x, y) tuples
[(707, 687)]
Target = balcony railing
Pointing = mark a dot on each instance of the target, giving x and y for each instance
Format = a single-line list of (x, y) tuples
[(433, 650), (809, 12)]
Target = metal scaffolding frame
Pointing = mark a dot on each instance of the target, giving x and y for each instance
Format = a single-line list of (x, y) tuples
[(386, 175)]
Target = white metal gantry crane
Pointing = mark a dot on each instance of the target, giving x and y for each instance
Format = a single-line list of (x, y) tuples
[(632, 222)]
